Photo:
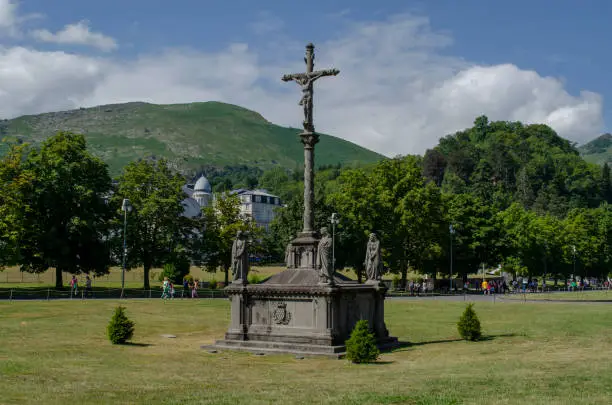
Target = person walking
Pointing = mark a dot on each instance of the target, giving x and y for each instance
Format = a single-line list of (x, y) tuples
[(74, 286), (88, 287), (165, 289), (194, 289)]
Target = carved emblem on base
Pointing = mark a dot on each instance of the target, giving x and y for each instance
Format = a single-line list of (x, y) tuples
[(280, 315)]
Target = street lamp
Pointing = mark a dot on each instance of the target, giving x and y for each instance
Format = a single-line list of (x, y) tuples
[(451, 230), (574, 252), (125, 207), (334, 221)]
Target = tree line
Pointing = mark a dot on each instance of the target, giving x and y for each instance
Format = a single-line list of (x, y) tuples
[(498, 194), (60, 210)]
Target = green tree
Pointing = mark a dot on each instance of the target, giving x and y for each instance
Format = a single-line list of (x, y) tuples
[(15, 180), (67, 217), (156, 230)]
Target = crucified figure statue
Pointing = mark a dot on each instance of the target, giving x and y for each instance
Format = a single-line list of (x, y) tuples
[(306, 80)]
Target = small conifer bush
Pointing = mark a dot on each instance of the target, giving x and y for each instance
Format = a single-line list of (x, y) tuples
[(469, 325), (361, 346), (120, 329)]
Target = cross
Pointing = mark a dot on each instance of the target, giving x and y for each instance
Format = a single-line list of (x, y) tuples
[(306, 80)]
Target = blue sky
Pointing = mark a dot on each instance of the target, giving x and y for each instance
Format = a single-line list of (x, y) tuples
[(411, 71)]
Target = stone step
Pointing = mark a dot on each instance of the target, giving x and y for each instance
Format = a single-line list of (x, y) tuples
[(278, 348)]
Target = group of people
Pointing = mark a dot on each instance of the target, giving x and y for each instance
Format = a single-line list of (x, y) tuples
[(492, 287), (188, 286), (74, 286)]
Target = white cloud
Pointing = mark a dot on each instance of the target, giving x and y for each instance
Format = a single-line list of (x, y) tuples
[(8, 15), (77, 34), (397, 92)]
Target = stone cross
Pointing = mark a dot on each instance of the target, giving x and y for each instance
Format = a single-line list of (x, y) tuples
[(309, 137)]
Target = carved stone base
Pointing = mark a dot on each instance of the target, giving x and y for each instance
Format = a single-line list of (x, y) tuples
[(292, 313)]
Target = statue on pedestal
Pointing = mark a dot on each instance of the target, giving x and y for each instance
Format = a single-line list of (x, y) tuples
[(324, 259), (289, 256), (373, 261), (240, 258)]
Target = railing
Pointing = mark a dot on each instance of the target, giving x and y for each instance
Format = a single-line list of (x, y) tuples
[(110, 293)]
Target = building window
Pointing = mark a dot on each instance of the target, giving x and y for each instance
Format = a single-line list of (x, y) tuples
[(257, 198), (264, 199)]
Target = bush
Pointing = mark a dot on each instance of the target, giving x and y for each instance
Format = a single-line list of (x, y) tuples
[(469, 325), (361, 346), (189, 278), (120, 329), (175, 270), (396, 282), (254, 278), (213, 284)]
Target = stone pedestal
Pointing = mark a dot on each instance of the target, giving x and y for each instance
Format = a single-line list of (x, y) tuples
[(292, 312)]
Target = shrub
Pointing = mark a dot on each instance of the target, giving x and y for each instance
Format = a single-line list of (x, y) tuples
[(175, 270), (189, 278), (213, 284), (469, 325), (120, 329), (361, 346), (254, 278), (396, 282)]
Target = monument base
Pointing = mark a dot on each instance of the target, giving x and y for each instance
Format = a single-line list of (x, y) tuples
[(292, 312)]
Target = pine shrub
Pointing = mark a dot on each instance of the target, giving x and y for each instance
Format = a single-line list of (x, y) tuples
[(361, 346), (120, 329), (469, 325)]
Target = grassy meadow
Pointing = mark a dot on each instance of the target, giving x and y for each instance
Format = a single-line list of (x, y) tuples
[(56, 352)]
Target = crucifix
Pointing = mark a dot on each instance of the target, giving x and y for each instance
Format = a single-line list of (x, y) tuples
[(309, 137), (306, 81)]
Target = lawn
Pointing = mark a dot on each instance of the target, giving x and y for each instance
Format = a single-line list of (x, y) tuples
[(56, 352)]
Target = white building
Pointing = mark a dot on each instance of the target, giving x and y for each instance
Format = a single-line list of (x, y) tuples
[(256, 204), (259, 205), (199, 195)]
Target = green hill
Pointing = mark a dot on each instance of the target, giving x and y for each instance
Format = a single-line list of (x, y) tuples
[(189, 135), (599, 150)]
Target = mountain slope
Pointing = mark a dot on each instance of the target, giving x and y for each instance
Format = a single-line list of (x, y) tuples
[(599, 150), (189, 135)]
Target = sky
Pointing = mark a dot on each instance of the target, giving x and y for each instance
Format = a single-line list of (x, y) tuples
[(410, 71)]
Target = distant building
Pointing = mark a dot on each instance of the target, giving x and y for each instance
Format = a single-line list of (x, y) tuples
[(199, 195), (259, 205), (256, 204)]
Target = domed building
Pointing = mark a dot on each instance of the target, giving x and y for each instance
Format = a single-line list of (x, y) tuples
[(202, 192)]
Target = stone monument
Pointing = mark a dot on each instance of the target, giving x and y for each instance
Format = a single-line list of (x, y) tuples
[(307, 309)]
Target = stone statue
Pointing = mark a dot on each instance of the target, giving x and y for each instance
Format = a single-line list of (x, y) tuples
[(373, 261), (240, 258), (305, 81), (324, 259), (290, 256)]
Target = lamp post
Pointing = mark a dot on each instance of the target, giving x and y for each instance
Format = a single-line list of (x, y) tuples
[(334, 221), (125, 207), (574, 252), (451, 230)]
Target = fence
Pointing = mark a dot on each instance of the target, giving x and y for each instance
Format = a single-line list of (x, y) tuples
[(110, 293)]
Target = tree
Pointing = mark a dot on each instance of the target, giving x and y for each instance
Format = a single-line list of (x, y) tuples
[(156, 230), (67, 216), (221, 223), (476, 238), (14, 181), (361, 346)]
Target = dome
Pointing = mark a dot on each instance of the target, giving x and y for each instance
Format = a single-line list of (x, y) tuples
[(202, 185)]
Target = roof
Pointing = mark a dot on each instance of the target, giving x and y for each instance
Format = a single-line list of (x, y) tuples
[(202, 185), (191, 208), (242, 191)]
